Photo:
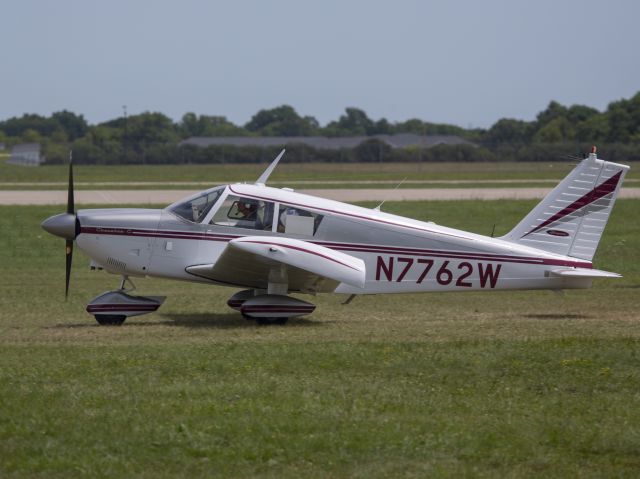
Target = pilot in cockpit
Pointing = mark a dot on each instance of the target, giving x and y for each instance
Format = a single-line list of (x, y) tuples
[(247, 210)]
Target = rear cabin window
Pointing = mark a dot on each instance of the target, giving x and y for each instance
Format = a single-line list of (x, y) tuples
[(293, 220), (248, 213)]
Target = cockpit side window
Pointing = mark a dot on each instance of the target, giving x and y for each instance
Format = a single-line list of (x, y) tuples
[(247, 213), (195, 209)]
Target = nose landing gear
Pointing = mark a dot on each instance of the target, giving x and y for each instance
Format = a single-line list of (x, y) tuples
[(112, 308)]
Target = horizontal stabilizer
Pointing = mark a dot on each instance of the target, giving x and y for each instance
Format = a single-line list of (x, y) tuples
[(583, 273)]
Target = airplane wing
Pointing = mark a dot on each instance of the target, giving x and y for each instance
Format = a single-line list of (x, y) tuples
[(249, 261)]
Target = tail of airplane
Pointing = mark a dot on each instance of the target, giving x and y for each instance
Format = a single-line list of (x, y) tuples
[(571, 218)]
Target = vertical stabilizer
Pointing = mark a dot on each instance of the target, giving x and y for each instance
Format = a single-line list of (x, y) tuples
[(570, 220)]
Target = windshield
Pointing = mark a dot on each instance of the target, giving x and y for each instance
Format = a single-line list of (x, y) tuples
[(196, 207)]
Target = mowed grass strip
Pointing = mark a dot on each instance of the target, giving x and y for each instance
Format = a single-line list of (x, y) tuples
[(480, 384), (556, 408), (292, 172)]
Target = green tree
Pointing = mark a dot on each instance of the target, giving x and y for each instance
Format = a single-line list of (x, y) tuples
[(579, 113), (204, 125), (56, 153), (18, 126), (354, 122), (556, 131), (75, 126), (554, 110), (372, 150), (109, 140), (31, 136), (149, 128), (621, 121), (381, 127), (410, 126), (593, 130), (190, 125), (282, 121), (85, 152), (634, 111), (508, 131), (59, 136)]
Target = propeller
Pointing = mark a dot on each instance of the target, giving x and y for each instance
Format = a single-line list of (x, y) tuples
[(71, 210), (65, 225)]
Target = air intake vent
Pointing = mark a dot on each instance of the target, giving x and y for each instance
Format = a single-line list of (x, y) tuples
[(115, 264)]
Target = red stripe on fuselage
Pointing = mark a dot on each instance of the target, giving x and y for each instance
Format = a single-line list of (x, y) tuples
[(363, 248)]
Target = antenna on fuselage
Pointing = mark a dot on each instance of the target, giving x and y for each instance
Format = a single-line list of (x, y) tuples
[(265, 176), (377, 208)]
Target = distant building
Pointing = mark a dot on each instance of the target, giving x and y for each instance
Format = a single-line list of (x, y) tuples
[(402, 140), (26, 154)]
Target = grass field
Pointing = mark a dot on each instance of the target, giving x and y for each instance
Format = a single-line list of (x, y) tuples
[(517, 384), (292, 173)]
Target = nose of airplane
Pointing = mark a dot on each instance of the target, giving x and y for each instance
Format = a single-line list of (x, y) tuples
[(64, 225)]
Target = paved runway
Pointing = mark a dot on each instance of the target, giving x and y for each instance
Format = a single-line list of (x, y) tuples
[(165, 197)]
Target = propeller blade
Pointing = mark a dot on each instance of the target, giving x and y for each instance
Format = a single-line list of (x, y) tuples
[(70, 199), (69, 258), (71, 207)]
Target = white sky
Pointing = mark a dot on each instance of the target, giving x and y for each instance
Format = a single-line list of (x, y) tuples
[(468, 63)]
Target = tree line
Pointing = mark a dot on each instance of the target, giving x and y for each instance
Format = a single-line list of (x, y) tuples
[(151, 137)]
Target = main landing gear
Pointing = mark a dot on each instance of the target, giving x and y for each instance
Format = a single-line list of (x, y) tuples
[(268, 308), (114, 307), (272, 306)]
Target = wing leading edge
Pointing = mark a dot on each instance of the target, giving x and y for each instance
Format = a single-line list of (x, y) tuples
[(249, 261)]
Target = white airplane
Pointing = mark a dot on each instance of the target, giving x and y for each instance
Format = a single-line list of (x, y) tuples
[(272, 242)]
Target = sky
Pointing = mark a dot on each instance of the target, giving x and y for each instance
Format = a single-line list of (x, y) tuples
[(467, 63)]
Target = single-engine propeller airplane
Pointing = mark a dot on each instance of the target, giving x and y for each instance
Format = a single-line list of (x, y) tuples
[(272, 242)]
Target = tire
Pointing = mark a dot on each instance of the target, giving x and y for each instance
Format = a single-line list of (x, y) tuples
[(270, 321), (110, 319)]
